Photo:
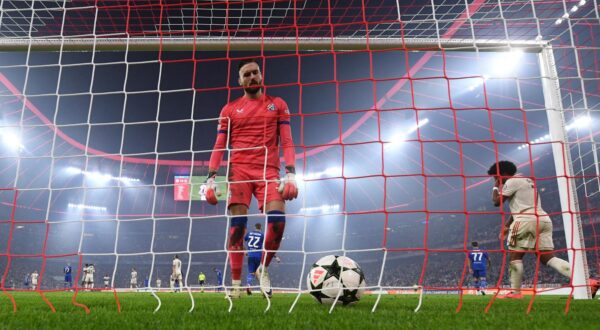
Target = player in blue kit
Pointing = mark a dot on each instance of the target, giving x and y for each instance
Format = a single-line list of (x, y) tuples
[(219, 278), (479, 261), (68, 277), (254, 243)]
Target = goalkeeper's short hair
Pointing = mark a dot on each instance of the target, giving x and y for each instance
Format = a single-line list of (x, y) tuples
[(246, 61)]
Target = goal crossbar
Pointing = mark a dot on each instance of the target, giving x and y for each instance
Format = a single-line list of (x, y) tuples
[(268, 44)]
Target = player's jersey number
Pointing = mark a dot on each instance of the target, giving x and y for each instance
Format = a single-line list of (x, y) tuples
[(253, 242)]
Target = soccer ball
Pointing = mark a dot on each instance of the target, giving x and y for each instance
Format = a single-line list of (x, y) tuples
[(333, 275)]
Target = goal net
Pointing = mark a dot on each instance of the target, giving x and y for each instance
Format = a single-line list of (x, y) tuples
[(108, 115)]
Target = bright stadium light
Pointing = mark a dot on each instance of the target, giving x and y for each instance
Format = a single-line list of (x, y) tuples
[(73, 170), (97, 176), (507, 62), (325, 208), (534, 141), (579, 122), (87, 207), (329, 172), (581, 3), (100, 177), (11, 140), (401, 137)]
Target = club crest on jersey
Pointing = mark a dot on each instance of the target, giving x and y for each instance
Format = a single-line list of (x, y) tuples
[(271, 107)]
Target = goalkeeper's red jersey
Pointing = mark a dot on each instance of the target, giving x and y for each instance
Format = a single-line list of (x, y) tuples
[(256, 128)]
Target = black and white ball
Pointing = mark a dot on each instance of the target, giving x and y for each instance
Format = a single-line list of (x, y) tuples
[(333, 275)]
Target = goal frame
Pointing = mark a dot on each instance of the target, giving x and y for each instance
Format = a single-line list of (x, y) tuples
[(571, 216)]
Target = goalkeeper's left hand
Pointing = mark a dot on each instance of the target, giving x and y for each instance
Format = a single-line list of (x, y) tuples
[(287, 186)]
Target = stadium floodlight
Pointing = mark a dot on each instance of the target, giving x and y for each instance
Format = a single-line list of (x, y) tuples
[(329, 172), (87, 207), (325, 208), (507, 62), (540, 139), (333, 171), (581, 3), (579, 122), (97, 176), (100, 177), (401, 137), (73, 170), (11, 140)]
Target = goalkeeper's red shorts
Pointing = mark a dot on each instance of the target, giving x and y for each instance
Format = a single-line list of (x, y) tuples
[(246, 180)]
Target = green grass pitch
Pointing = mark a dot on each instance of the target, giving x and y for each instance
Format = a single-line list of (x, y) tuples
[(393, 312)]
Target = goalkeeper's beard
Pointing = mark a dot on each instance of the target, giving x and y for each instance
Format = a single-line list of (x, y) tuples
[(253, 89)]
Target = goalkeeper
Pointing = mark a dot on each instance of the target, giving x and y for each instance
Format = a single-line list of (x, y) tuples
[(255, 125)]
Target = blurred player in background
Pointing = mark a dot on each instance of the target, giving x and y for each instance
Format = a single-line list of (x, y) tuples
[(68, 270), (106, 280), (529, 228), (256, 124), (88, 276), (34, 279), (201, 281), (133, 281), (177, 272), (219, 278), (479, 261), (158, 283)]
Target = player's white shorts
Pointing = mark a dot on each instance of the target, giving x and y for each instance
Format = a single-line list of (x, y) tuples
[(177, 277), (88, 279), (133, 282), (34, 282), (524, 232)]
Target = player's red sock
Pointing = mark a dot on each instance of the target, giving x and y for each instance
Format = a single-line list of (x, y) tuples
[(236, 246), (275, 228)]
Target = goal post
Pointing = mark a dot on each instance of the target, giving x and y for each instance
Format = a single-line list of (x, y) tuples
[(571, 215)]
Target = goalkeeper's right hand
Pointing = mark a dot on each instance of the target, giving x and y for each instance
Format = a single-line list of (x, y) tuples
[(211, 188)]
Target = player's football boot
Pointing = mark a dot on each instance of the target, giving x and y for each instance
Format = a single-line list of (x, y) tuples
[(511, 295), (236, 290), (248, 291), (265, 282)]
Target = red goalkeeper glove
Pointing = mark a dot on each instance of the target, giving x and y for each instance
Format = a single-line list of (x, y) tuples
[(287, 186), (211, 189)]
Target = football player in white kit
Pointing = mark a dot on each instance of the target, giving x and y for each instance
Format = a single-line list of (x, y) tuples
[(529, 228), (176, 274), (34, 279), (133, 282), (88, 279)]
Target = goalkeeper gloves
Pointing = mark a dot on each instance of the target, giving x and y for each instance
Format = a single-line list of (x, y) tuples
[(211, 188), (287, 186)]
